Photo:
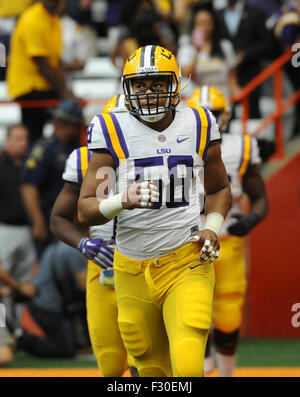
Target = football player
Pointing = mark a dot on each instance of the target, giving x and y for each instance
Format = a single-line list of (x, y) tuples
[(102, 312), (240, 155), (164, 277)]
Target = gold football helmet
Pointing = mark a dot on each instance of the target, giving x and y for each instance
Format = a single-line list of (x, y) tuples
[(213, 99), (150, 62), (115, 104)]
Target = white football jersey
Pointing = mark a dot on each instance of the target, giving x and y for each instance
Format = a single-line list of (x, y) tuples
[(239, 152), (173, 159), (75, 169)]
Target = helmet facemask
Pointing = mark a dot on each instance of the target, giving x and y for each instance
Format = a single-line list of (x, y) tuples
[(146, 104)]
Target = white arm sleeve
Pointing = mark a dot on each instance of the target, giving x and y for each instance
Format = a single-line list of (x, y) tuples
[(70, 173), (96, 135), (255, 157), (214, 130)]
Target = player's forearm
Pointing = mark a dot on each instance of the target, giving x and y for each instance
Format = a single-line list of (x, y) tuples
[(219, 201), (89, 213), (66, 231), (260, 207)]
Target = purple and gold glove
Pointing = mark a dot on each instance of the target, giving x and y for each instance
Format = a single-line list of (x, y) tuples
[(97, 250)]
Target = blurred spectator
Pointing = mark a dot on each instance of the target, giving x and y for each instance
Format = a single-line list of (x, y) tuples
[(22, 288), (17, 252), (76, 45), (85, 15), (113, 21), (244, 26), (42, 172), (59, 305), (270, 6), (76, 48), (206, 58), (34, 70), (286, 28), (80, 10), (14, 8), (171, 12), (145, 27), (9, 12)]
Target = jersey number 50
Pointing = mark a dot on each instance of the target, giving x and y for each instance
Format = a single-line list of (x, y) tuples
[(175, 180)]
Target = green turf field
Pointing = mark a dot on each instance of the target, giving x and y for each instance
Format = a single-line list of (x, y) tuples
[(251, 353)]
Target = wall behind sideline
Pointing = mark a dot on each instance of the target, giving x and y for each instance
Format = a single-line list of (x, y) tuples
[(274, 271)]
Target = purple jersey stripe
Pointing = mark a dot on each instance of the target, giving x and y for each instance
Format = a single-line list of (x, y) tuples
[(89, 155), (199, 126), (120, 134), (79, 171), (107, 139), (208, 133), (243, 148)]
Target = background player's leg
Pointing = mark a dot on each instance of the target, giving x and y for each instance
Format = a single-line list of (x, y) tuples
[(226, 344), (141, 325), (228, 303), (102, 315), (209, 359)]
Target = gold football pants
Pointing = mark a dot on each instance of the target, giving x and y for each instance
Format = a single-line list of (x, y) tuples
[(230, 288), (165, 311), (102, 315)]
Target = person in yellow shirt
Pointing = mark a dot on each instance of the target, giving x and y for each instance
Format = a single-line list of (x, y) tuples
[(34, 64), (14, 8), (9, 12)]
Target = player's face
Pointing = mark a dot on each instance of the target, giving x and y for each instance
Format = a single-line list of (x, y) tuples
[(17, 142), (157, 85)]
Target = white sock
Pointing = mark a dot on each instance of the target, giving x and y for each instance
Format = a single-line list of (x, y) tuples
[(226, 365), (209, 362)]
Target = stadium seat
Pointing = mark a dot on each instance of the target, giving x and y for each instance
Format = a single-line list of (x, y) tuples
[(3, 91), (96, 88), (100, 67), (10, 114)]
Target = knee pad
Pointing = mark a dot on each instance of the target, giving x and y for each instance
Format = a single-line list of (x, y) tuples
[(226, 343), (134, 332), (111, 363), (152, 371), (227, 316), (189, 357)]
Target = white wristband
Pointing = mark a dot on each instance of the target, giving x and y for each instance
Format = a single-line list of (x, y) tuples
[(214, 222), (111, 206)]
